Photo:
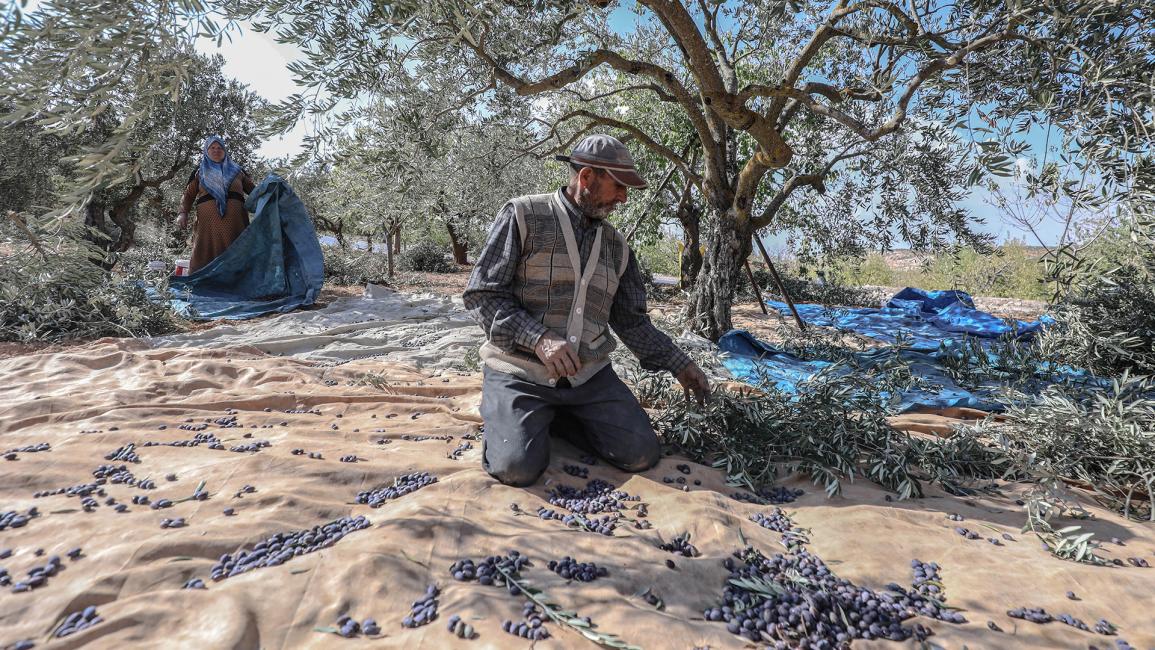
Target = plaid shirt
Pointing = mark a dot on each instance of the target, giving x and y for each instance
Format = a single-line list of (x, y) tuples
[(491, 302)]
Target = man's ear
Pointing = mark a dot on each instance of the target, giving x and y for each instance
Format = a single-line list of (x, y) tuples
[(587, 177)]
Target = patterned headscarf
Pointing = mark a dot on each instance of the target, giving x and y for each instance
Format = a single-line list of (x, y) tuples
[(217, 177)]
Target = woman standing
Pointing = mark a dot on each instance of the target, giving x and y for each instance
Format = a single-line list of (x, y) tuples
[(218, 190)]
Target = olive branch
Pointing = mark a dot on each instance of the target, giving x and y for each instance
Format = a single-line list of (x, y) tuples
[(565, 617)]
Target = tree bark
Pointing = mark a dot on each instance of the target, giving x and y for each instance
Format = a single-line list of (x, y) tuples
[(337, 228), (727, 247), (691, 262), (96, 226), (460, 248), (119, 212), (119, 215), (396, 240), (94, 214), (389, 252)]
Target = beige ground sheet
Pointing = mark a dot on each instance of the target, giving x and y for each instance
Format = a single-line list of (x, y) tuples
[(87, 402)]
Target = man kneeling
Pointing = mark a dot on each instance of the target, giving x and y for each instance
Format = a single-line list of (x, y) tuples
[(552, 279)]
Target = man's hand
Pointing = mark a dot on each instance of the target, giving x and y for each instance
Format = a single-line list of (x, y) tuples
[(182, 221), (694, 380), (557, 356)]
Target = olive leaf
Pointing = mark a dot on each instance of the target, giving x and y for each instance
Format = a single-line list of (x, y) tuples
[(760, 586)]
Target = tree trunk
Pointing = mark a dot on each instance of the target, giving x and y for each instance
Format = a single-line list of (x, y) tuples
[(94, 220), (389, 253), (396, 240), (119, 216), (94, 215), (691, 262), (460, 248), (727, 247), (119, 213)]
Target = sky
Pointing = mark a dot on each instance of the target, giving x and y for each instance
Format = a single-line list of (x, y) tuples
[(258, 61), (261, 63)]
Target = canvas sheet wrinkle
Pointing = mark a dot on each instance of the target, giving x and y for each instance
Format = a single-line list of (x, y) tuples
[(424, 330)]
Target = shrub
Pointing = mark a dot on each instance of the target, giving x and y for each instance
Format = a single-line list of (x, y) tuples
[(1109, 328), (659, 256), (1010, 271), (1102, 440), (874, 270), (426, 256), (1107, 321), (57, 309), (348, 267), (53, 289)]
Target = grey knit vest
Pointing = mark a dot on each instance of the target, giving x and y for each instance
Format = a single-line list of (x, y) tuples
[(550, 284)]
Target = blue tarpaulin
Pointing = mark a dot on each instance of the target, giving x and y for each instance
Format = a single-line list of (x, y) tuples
[(276, 264), (920, 319), (932, 327), (761, 364)]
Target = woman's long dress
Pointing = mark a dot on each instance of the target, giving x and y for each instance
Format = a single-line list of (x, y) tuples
[(214, 233)]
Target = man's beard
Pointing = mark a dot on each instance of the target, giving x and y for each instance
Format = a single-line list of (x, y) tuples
[(591, 208)]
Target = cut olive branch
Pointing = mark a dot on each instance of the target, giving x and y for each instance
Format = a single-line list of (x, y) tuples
[(566, 618)]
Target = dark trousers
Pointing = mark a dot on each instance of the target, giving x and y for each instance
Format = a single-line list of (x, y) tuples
[(602, 413)]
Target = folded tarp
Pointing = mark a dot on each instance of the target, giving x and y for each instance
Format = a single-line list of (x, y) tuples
[(954, 311), (919, 319), (276, 264)]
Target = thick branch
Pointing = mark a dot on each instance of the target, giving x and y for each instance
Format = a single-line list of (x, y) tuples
[(664, 78), (730, 77), (816, 180), (682, 27), (698, 58), (119, 211)]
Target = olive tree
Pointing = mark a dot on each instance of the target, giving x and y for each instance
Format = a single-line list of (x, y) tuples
[(165, 145), (68, 65), (450, 171)]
